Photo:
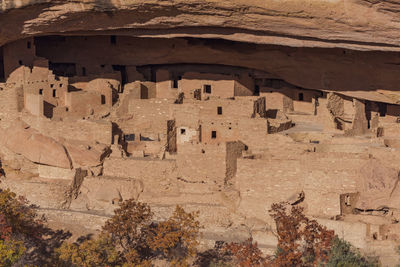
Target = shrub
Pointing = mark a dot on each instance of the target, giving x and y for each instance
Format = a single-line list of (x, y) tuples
[(18, 223), (343, 254), (140, 240), (176, 238), (97, 252), (24, 239), (218, 256), (19, 216), (247, 254), (10, 252), (301, 241), (128, 229)]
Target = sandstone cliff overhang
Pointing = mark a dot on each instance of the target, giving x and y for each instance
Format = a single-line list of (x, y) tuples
[(352, 24)]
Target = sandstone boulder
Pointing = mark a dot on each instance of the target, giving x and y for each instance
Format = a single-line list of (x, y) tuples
[(23, 140), (104, 193), (84, 154)]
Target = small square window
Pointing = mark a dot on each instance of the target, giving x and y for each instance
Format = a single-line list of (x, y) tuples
[(183, 131), (213, 134), (219, 110), (207, 89), (51, 85)]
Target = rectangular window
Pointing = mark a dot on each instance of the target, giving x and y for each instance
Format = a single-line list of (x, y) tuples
[(129, 137), (2, 78), (83, 71), (113, 39), (219, 110), (213, 134), (301, 97), (40, 91), (175, 84), (207, 89), (103, 99), (28, 45), (382, 109), (54, 92)]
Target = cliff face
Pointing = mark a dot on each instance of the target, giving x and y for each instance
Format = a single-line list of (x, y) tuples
[(352, 24), (308, 43)]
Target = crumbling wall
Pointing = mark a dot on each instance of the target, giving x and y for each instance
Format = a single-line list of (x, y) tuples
[(34, 104), (304, 100), (171, 136), (139, 168), (249, 131), (372, 114), (81, 104), (41, 81), (10, 98), (322, 178), (238, 108), (188, 113), (259, 108), (222, 86), (233, 152), (148, 117), (274, 100), (146, 147), (164, 87), (202, 163), (244, 85), (288, 98), (140, 90), (335, 106), (360, 123)]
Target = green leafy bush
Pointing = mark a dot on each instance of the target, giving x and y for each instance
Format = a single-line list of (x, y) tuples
[(343, 254)]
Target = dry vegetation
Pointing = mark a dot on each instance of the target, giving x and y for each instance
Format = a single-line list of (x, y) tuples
[(133, 238)]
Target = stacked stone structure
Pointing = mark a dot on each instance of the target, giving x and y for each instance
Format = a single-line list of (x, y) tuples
[(222, 120)]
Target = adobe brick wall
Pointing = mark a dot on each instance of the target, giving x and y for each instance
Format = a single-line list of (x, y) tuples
[(139, 168)]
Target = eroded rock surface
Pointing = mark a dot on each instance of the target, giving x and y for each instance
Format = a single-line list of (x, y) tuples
[(224, 107), (24, 140)]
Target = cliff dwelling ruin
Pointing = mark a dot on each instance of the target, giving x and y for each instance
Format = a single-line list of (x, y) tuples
[(228, 127)]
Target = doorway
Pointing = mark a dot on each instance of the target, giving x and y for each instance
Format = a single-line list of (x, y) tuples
[(2, 76), (122, 69)]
